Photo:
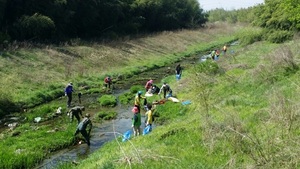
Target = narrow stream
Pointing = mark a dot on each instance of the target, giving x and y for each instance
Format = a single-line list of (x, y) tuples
[(107, 131)]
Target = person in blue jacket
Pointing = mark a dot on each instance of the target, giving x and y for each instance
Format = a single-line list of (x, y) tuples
[(68, 92)]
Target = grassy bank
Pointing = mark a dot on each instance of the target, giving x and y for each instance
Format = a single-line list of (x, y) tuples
[(32, 76), (244, 114)]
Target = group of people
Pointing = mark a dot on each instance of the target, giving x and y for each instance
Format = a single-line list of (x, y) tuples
[(85, 125), (150, 88), (136, 120), (215, 54)]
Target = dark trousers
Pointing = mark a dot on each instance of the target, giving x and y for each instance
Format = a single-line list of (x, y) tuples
[(69, 99), (108, 85), (77, 117), (85, 135)]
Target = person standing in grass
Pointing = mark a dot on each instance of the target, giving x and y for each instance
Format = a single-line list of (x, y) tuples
[(75, 112), (165, 88), (178, 72), (137, 100), (149, 117), (82, 127), (68, 92), (136, 122)]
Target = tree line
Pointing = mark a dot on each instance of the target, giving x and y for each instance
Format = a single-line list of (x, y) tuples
[(56, 20), (280, 19)]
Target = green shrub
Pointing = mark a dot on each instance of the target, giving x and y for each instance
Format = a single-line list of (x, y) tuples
[(134, 89), (37, 25), (125, 98), (208, 67), (107, 115), (249, 36), (279, 36), (107, 100)]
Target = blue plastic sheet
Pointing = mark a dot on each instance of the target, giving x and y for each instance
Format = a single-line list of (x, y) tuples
[(126, 135), (186, 102)]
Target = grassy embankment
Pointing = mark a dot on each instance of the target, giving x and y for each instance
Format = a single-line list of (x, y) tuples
[(33, 76), (244, 114)]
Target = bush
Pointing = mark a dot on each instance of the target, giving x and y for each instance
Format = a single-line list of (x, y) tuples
[(107, 115), (107, 100), (125, 98), (249, 36), (134, 89), (207, 67), (279, 36), (35, 26)]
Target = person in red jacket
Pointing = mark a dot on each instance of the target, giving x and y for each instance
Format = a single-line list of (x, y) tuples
[(107, 81)]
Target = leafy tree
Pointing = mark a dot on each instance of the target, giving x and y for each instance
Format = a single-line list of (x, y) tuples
[(35, 26), (292, 9)]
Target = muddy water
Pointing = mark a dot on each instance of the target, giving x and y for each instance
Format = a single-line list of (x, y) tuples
[(109, 130)]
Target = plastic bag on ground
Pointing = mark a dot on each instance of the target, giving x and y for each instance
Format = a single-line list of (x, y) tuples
[(126, 135)]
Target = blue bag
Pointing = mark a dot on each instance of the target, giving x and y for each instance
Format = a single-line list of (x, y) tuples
[(126, 135), (147, 130)]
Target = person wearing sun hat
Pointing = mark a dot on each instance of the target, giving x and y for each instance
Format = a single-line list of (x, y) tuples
[(136, 121), (137, 100)]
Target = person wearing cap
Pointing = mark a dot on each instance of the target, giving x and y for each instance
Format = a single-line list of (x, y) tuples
[(68, 92), (75, 112), (136, 121), (137, 100), (107, 81), (149, 85), (165, 88), (82, 127)]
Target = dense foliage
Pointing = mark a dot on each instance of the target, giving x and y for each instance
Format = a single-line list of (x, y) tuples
[(64, 19), (279, 18)]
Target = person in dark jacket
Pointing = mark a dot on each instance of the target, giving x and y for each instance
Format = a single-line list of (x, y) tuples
[(68, 92), (83, 126), (75, 112), (165, 89), (178, 72)]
